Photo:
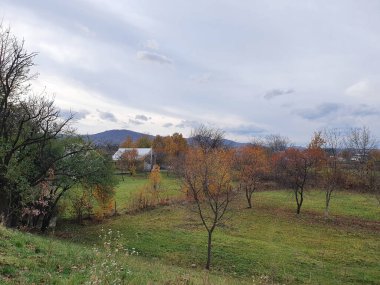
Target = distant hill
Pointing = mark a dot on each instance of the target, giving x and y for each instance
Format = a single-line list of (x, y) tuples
[(116, 137)]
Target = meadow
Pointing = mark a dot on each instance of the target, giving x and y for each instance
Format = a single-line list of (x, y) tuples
[(268, 244), (269, 240)]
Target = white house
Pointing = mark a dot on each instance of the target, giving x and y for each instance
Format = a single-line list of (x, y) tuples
[(143, 154)]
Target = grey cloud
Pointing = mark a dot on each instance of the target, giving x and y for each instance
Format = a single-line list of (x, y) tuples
[(107, 116), (188, 124), (167, 125), (364, 110), (277, 92), (77, 115), (142, 118), (153, 57), (246, 130), (319, 111), (326, 109), (135, 122)]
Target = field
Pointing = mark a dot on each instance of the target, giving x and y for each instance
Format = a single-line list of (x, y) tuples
[(268, 244), (29, 259)]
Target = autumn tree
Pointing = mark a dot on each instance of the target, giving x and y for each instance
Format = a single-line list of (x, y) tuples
[(128, 161), (295, 167), (207, 179), (127, 143), (143, 142), (155, 177), (252, 166), (167, 150), (316, 154)]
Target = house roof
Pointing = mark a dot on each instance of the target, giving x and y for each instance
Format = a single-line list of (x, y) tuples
[(141, 152)]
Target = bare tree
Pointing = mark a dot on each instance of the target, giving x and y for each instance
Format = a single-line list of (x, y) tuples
[(361, 142), (332, 176), (276, 142), (207, 138)]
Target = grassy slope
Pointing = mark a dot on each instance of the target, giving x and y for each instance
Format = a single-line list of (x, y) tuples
[(268, 240), (28, 259)]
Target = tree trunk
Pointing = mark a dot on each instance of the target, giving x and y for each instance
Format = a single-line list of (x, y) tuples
[(299, 200), (46, 221), (249, 199), (208, 264), (328, 196)]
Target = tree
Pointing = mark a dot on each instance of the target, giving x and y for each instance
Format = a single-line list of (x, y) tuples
[(40, 157), (332, 174), (143, 142), (128, 161), (207, 139), (128, 143), (360, 142), (295, 167), (276, 143), (207, 179), (373, 178), (252, 165), (27, 125), (167, 150), (155, 177)]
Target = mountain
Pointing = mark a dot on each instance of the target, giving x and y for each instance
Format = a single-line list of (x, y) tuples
[(116, 137)]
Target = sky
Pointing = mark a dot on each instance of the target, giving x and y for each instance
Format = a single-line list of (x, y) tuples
[(250, 68)]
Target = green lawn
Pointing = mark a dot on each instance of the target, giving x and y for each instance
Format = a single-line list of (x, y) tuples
[(28, 259), (128, 186), (269, 240), (354, 205), (269, 243)]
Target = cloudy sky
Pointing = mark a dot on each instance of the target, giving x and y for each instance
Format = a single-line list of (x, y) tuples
[(251, 68)]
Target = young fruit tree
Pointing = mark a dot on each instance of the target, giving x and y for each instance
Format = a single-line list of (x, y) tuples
[(207, 176), (332, 173), (294, 168), (251, 163)]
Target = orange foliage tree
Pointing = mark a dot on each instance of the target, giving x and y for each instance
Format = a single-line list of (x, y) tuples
[(104, 196), (128, 161), (128, 143), (252, 166), (207, 179), (143, 142), (169, 149), (155, 177)]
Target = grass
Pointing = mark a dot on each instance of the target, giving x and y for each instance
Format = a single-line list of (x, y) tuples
[(269, 240), (29, 259), (128, 186), (268, 244), (348, 204)]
